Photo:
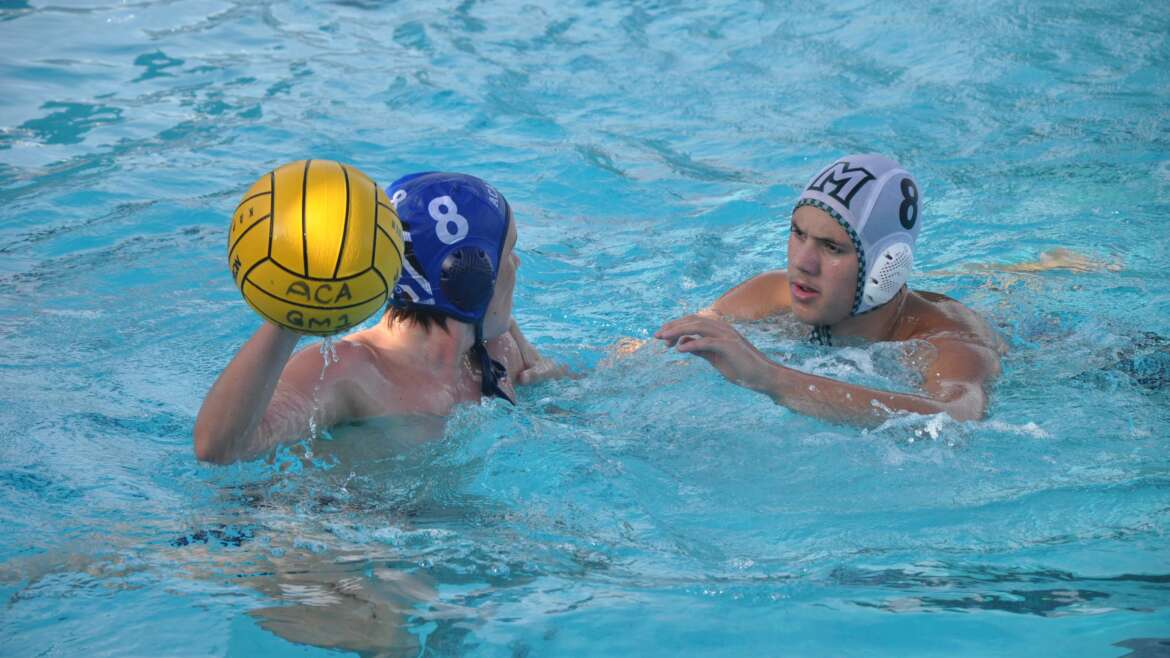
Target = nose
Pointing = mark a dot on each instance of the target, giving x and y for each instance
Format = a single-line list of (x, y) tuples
[(803, 256)]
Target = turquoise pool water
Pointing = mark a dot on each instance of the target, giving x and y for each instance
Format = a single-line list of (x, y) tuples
[(652, 152)]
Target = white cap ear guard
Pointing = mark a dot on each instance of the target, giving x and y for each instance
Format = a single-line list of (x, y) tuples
[(887, 274)]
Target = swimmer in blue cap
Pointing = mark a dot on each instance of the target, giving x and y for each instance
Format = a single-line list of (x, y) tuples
[(448, 338), (850, 252)]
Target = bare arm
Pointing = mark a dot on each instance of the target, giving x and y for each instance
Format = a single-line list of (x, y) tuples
[(759, 297), (535, 368), (953, 382), (954, 387), (1055, 259), (263, 398)]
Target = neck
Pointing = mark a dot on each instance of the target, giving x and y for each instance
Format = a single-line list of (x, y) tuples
[(876, 325), (435, 349)]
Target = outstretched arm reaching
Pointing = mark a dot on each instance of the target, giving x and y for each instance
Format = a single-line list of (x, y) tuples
[(953, 380)]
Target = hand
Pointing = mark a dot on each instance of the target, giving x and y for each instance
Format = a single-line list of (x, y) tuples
[(535, 367), (543, 369), (721, 345)]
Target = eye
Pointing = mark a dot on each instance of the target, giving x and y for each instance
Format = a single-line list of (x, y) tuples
[(833, 248)]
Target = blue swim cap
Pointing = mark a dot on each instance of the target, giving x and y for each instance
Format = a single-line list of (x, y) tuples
[(455, 227)]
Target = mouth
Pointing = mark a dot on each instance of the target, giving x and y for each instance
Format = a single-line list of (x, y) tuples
[(802, 292)]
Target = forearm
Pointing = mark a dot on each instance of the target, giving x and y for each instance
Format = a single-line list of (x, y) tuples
[(535, 367), (233, 410), (838, 401), (528, 353)]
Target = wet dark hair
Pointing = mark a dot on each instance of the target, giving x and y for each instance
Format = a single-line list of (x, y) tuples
[(416, 316)]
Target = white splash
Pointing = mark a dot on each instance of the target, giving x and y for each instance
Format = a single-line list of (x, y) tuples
[(328, 356), (1030, 429)]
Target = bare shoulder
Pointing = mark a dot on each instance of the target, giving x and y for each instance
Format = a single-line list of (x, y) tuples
[(938, 318), (346, 358), (758, 297), (775, 281), (368, 364)]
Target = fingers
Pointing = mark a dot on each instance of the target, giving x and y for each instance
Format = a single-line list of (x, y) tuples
[(698, 346), (666, 331), (670, 330), (543, 370), (696, 325)]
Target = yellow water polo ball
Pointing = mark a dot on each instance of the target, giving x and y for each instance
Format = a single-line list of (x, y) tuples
[(315, 246)]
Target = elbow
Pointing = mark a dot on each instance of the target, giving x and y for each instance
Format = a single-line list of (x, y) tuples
[(207, 448), (210, 456), (968, 410), (964, 403)]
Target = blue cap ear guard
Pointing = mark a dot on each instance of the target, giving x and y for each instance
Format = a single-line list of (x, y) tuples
[(455, 227), (467, 279)]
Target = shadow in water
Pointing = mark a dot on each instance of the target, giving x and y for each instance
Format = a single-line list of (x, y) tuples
[(990, 588), (1146, 647)]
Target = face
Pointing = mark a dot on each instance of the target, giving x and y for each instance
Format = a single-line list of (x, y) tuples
[(822, 268), (499, 313)]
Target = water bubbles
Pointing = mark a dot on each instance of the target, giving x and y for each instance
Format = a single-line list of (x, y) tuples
[(311, 545), (934, 426), (391, 536), (742, 563), (328, 354), (1029, 429)]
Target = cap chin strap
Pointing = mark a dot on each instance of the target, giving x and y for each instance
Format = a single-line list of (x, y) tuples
[(820, 335), (467, 280), (491, 371)]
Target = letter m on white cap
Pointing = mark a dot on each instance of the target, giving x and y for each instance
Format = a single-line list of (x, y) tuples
[(842, 181)]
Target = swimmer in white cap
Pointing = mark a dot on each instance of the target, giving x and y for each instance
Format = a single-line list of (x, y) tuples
[(850, 252)]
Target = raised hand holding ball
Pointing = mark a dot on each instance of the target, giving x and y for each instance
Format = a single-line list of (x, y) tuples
[(315, 246)]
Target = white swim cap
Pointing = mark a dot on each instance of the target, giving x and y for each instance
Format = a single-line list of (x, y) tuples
[(876, 201)]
